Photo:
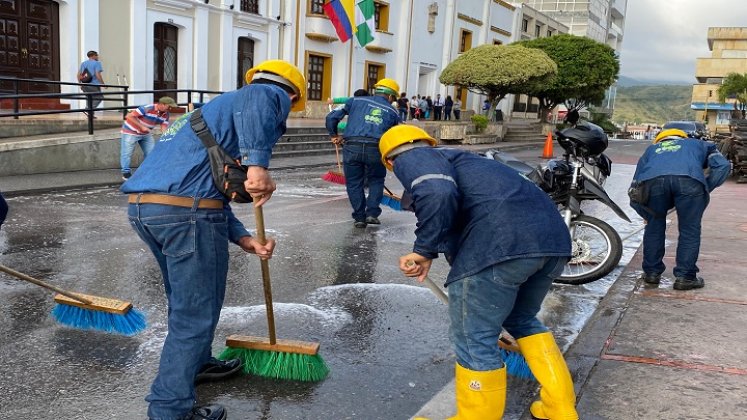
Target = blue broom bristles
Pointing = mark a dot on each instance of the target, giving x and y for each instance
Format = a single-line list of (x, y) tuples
[(128, 324), (516, 364), (391, 202)]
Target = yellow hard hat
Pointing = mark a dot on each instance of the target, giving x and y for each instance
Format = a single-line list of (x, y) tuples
[(398, 136), (671, 132), (387, 86), (289, 74)]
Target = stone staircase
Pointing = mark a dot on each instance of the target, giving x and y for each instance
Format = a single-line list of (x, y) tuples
[(523, 131), (304, 141)]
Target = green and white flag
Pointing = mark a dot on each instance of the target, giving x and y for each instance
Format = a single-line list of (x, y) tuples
[(364, 19)]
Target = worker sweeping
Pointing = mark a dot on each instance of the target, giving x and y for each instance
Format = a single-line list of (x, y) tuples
[(181, 211), (368, 118), (505, 242)]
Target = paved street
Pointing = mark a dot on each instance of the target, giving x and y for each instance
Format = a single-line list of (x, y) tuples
[(383, 336)]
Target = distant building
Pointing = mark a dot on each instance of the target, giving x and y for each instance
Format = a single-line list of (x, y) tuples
[(728, 48)]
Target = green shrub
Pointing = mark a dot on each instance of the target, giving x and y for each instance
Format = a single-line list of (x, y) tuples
[(480, 122)]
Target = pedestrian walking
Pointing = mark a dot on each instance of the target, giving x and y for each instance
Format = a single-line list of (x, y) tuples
[(505, 242), (429, 107), (670, 174), (136, 131), (368, 118), (90, 73), (438, 107), (448, 105), (413, 107), (184, 217)]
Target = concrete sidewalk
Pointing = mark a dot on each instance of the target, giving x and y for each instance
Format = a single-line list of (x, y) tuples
[(656, 353)]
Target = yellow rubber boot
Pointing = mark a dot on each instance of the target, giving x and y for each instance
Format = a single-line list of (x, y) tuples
[(480, 395), (557, 397)]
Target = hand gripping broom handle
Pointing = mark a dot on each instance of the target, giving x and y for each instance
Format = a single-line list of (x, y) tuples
[(45, 285), (265, 264)]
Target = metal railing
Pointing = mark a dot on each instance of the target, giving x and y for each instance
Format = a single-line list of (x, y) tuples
[(121, 95)]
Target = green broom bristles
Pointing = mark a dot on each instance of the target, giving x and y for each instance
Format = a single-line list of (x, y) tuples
[(279, 365)]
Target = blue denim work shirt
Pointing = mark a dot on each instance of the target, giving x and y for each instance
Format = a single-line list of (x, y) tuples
[(246, 122), (688, 157), (368, 118), (477, 211)]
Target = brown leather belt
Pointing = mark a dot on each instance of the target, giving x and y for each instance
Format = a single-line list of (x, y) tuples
[(174, 200)]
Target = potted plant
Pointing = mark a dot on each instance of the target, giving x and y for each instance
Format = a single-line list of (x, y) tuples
[(480, 122)]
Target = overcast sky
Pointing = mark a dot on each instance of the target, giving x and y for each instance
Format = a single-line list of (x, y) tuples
[(662, 38)]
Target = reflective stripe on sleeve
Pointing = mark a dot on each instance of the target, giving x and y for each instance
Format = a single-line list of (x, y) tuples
[(426, 177)]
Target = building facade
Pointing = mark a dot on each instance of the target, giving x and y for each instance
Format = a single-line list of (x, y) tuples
[(728, 48), (209, 44)]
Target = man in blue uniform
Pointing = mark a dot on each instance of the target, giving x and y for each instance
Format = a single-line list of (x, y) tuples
[(672, 170), (505, 241), (187, 223), (368, 118)]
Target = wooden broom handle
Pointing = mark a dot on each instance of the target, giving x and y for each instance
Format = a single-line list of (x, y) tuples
[(337, 153), (265, 264), (45, 285)]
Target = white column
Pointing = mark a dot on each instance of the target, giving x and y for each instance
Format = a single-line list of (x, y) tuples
[(201, 46), (227, 56), (70, 58), (448, 38), (140, 45)]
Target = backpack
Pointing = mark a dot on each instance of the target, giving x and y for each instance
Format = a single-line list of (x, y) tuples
[(85, 76)]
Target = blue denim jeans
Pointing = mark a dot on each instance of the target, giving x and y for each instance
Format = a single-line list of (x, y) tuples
[(191, 248), (402, 114), (689, 197), (362, 163), (508, 295), (129, 141)]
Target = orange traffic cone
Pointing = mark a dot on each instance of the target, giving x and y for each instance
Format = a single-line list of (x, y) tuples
[(547, 152)]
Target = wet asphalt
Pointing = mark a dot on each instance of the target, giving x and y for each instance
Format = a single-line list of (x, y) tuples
[(384, 337)]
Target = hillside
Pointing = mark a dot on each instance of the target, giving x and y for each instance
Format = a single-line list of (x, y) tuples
[(656, 104)]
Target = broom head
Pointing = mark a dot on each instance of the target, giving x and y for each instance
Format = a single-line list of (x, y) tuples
[(516, 364), (103, 314), (334, 177), (391, 201), (286, 359)]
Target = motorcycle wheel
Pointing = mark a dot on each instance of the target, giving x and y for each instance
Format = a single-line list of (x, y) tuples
[(596, 250)]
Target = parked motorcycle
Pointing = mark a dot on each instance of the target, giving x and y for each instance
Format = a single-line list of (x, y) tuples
[(578, 176)]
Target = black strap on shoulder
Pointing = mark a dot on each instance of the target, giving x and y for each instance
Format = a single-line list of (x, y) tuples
[(201, 129)]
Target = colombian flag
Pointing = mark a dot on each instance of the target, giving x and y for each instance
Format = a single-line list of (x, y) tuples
[(342, 15)]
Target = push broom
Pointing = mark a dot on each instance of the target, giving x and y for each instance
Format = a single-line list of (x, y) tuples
[(335, 177), (391, 200), (270, 357), (516, 364), (87, 312)]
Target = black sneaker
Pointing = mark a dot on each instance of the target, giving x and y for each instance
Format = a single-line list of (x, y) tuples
[(681, 283), (207, 412), (372, 220), (359, 224), (216, 370), (126, 176), (653, 279)]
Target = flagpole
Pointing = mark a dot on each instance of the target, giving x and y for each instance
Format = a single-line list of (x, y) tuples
[(350, 67)]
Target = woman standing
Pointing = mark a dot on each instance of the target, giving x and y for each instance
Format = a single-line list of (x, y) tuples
[(448, 105)]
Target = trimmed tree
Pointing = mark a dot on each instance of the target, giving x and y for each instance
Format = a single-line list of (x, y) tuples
[(498, 70), (586, 68), (735, 87)]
